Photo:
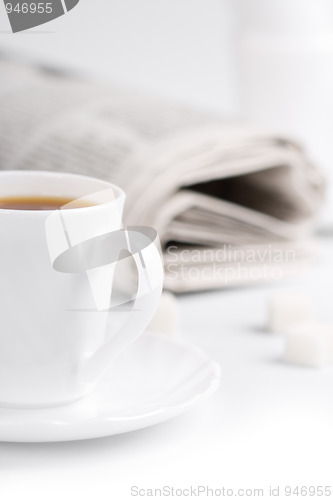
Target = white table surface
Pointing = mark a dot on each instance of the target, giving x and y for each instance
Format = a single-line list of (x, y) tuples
[(269, 424)]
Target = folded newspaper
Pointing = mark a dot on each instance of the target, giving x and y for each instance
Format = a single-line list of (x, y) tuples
[(232, 205)]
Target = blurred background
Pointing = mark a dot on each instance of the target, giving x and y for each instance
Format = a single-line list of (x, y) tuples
[(266, 62)]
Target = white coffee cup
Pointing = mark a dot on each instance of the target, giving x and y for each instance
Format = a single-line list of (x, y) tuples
[(61, 322)]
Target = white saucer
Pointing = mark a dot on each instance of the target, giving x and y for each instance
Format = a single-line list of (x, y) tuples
[(156, 379)]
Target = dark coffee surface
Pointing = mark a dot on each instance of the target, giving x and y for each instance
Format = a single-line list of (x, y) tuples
[(40, 203)]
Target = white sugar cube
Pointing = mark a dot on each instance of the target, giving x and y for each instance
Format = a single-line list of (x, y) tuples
[(288, 309), (309, 344), (166, 319)]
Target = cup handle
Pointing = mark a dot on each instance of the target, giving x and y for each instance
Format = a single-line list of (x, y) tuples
[(141, 245)]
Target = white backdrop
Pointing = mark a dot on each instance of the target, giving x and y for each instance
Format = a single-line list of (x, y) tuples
[(174, 48), (186, 50)]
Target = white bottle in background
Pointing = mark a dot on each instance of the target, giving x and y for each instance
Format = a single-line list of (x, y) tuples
[(286, 73)]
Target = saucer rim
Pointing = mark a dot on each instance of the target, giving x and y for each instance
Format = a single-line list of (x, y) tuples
[(139, 421)]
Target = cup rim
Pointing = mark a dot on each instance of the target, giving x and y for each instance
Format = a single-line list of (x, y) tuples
[(120, 194)]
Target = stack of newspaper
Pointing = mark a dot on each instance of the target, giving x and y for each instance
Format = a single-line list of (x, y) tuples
[(232, 205)]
